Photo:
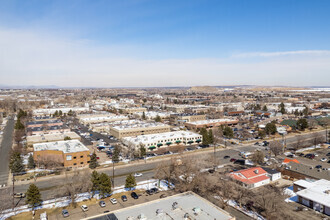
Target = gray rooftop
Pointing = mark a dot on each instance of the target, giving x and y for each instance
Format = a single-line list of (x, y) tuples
[(187, 204)]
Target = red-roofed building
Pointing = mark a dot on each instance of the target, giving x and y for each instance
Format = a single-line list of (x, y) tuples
[(252, 177)]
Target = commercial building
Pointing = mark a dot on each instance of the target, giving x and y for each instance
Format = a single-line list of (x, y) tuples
[(46, 123), (70, 153), (153, 141), (181, 206), (210, 123), (315, 195), (51, 137), (180, 119), (133, 110), (48, 111), (100, 118), (47, 130), (139, 128), (251, 177)]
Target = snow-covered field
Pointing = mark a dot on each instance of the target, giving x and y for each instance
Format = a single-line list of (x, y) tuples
[(65, 201)]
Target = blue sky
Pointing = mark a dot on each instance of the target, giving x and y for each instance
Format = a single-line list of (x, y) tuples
[(148, 43)]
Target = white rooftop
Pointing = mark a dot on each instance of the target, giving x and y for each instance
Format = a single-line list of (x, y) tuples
[(139, 125), (201, 122), (152, 138), (318, 191), (186, 204), (70, 146)]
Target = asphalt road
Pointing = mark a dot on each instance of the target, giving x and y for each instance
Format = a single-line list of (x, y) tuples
[(5, 147), (47, 184)]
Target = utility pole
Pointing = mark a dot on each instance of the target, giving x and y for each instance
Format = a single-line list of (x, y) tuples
[(113, 174), (13, 192)]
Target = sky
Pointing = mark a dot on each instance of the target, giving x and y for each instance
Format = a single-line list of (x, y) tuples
[(155, 43)]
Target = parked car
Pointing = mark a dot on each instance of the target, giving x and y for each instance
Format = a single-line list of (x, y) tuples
[(102, 204), (226, 157), (65, 213), (256, 143), (137, 174), (154, 189), (328, 154), (232, 160), (310, 156), (84, 208), (134, 195), (149, 192), (19, 195), (113, 201), (318, 166), (324, 159), (124, 198)]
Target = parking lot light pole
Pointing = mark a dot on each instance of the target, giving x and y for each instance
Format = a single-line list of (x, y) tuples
[(113, 174)]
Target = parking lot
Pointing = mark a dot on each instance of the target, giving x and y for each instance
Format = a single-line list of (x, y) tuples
[(95, 209)]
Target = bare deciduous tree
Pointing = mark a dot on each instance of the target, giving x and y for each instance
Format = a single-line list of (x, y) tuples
[(276, 148), (77, 183)]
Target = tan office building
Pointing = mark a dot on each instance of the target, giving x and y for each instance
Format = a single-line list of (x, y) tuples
[(211, 123), (180, 119), (68, 153)]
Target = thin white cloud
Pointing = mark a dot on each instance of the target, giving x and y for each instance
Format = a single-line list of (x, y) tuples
[(34, 58), (283, 53)]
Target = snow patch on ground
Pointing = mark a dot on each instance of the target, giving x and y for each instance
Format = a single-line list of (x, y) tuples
[(250, 213), (293, 196)]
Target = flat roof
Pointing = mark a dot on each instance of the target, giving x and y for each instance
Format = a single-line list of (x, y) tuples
[(52, 137), (140, 125), (201, 122), (152, 138), (70, 146), (187, 204), (318, 191)]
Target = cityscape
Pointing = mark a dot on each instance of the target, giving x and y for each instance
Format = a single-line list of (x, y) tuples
[(146, 109)]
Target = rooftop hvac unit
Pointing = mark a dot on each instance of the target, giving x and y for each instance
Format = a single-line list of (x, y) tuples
[(142, 217), (256, 171), (175, 205), (186, 216), (197, 210)]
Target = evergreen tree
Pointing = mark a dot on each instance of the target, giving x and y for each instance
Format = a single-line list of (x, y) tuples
[(228, 132), (264, 108), (143, 151), (33, 196), (104, 184), (115, 155), (130, 182), (93, 162), (19, 125), (305, 111), (60, 113), (270, 128), (282, 108), (16, 163), (302, 124), (210, 135), (205, 135), (95, 179), (144, 116), (56, 113), (158, 119), (67, 138), (31, 164)]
